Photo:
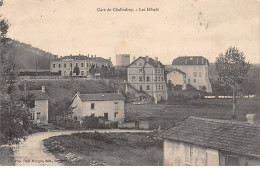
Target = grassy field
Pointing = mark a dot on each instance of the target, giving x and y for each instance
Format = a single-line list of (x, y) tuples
[(165, 115), (112, 149)]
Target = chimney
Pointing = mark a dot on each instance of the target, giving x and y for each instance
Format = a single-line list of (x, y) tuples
[(147, 58), (43, 89), (78, 93), (253, 118), (133, 58), (156, 59)]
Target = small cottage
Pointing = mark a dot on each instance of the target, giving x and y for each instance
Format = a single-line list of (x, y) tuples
[(109, 105), (39, 114), (176, 77), (198, 141)]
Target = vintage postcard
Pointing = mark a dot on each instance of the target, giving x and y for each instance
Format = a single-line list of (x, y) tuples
[(129, 83)]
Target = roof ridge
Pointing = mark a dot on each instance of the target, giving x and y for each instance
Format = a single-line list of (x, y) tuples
[(225, 121)]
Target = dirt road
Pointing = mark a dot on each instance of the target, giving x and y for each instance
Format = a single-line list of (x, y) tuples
[(32, 151)]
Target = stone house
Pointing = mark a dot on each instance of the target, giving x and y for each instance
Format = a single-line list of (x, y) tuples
[(109, 105), (177, 78), (196, 69), (197, 141), (146, 74), (39, 114), (67, 64)]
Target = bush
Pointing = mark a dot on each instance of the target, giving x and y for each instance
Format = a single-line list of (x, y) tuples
[(92, 122)]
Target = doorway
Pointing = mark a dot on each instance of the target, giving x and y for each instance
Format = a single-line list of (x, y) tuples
[(106, 116), (38, 120)]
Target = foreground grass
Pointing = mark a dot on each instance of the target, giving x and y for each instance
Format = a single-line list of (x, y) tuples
[(111, 149), (165, 115)]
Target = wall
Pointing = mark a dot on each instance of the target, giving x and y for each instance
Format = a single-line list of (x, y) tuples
[(41, 106), (176, 78), (84, 109), (174, 155), (242, 160)]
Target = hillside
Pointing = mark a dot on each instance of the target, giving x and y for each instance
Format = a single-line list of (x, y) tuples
[(25, 56), (66, 89)]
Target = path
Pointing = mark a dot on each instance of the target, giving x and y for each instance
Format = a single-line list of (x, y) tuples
[(32, 152)]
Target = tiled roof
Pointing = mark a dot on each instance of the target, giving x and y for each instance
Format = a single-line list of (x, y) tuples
[(177, 70), (151, 61), (101, 97), (232, 136), (190, 60), (37, 94)]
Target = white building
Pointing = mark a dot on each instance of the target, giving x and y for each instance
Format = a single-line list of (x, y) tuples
[(67, 64), (109, 105), (197, 141), (177, 77), (39, 114), (196, 69), (146, 74)]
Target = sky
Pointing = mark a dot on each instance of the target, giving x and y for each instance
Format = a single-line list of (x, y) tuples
[(180, 27)]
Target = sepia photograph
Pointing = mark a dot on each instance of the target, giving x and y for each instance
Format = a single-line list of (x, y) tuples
[(129, 83)]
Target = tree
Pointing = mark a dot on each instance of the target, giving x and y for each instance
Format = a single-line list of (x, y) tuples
[(232, 69), (76, 70), (14, 122)]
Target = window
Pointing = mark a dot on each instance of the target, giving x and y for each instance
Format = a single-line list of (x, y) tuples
[(141, 88), (65, 65), (148, 78), (115, 114), (140, 78), (194, 74), (159, 78), (199, 74), (162, 71), (92, 106), (159, 87), (64, 73), (156, 87), (155, 78), (162, 78), (82, 73), (155, 70), (32, 117), (188, 154), (194, 80), (53, 65), (82, 64), (148, 87), (159, 70), (71, 65), (133, 78), (162, 87), (116, 105), (140, 70), (76, 64), (59, 65)]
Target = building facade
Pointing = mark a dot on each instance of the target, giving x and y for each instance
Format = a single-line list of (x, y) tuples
[(177, 77), (67, 64), (122, 60), (209, 142), (109, 105), (146, 74), (39, 114), (196, 69)]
